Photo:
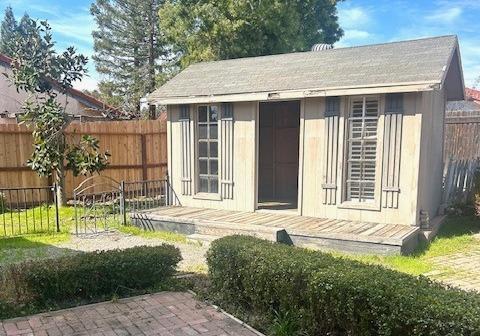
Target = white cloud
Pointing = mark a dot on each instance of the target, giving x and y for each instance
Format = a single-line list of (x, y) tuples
[(355, 22), (445, 15), (88, 83), (353, 17), (76, 27)]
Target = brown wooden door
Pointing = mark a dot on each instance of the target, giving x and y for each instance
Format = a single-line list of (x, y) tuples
[(278, 151)]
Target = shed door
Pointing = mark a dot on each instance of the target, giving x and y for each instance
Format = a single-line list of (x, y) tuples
[(278, 151)]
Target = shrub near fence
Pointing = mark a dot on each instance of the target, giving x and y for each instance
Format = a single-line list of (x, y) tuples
[(84, 277), (323, 295)]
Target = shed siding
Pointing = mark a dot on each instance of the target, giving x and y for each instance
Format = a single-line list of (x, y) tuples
[(314, 167), (244, 158), (420, 173), (430, 170)]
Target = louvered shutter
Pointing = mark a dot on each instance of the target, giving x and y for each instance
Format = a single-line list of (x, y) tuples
[(362, 149), (186, 149), (391, 149), (332, 115), (226, 144)]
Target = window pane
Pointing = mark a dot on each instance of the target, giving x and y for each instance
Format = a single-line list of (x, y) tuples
[(213, 167), (213, 149), (202, 131), (213, 131), (203, 149), (202, 113), (214, 185), (203, 184), (213, 114), (203, 167)]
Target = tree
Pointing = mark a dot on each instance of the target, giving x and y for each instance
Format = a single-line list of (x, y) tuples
[(211, 30), (42, 73), (129, 49), (7, 32)]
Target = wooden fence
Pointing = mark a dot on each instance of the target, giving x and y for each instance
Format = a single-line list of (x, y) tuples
[(138, 151), (461, 153)]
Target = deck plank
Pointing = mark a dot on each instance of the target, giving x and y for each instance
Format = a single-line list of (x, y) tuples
[(293, 224)]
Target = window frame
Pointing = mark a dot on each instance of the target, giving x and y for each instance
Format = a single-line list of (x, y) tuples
[(207, 195), (375, 204)]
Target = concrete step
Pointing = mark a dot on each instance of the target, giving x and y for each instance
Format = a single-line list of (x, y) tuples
[(203, 238)]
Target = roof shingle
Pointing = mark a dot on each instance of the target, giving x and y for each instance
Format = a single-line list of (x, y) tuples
[(415, 61)]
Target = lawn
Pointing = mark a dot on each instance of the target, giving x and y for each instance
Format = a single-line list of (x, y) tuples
[(32, 234), (456, 235)]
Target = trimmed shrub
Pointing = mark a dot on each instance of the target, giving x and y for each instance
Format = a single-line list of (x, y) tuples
[(88, 276), (326, 295)]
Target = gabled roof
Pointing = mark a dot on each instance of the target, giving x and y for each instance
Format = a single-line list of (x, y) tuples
[(86, 99), (417, 64)]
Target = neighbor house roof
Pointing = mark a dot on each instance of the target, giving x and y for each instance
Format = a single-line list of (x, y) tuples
[(469, 106), (473, 94), (419, 64), (86, 99)]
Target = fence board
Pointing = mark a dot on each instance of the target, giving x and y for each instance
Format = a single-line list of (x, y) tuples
[(462, 154), (122, 139)]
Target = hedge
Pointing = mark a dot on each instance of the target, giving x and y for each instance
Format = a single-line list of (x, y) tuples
[(87, 276), (327, 295)]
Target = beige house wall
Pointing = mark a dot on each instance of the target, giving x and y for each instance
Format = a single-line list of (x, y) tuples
[(11, 101), (420, 166)]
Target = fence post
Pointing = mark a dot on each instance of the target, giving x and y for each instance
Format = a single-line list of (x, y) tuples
[(123, 209), (167, 190), (55, 199)]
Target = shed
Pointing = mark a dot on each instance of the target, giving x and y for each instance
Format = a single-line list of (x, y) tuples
[(346, 137)]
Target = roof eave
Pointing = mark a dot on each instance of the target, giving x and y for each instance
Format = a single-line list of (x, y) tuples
[(297, 94)]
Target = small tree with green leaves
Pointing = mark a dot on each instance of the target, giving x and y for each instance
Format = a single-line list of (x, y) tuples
[(43, 73)]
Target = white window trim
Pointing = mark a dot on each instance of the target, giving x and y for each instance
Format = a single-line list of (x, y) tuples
[(196, 169), (376, 204)]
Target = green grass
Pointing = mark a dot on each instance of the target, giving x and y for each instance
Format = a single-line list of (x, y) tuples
[(456, 235), (18, 241)]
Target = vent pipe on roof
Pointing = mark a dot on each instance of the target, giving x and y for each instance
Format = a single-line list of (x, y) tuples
[(321, 46)]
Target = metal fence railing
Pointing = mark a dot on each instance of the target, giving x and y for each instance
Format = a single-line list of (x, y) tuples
[(99, 203), (28, 210)]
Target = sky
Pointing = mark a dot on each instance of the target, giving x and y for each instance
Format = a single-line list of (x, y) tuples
[(364, 22)]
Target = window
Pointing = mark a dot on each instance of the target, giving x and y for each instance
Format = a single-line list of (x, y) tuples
[(207, 149), (332, 106), (362, 148), (394, 103)]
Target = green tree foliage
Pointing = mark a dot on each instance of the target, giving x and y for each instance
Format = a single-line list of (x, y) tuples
[(41, 72), (203, 30), (129, 49), (8, 30)]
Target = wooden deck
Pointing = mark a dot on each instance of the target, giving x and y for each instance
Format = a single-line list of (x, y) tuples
[(300, 230)]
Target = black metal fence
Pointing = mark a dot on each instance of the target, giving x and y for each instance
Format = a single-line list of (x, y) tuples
[(28, 210), (99, 203)]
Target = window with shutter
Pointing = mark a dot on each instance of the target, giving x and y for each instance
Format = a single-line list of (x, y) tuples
[(362, 149), (207, 149)]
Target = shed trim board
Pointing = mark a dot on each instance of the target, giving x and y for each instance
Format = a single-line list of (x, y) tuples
[(299, 94)]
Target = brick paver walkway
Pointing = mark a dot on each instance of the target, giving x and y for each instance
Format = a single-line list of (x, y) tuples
[(166, 314), (460, 269)]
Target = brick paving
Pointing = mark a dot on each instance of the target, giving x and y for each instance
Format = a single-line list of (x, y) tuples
[(459, 269), (166, 314)]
